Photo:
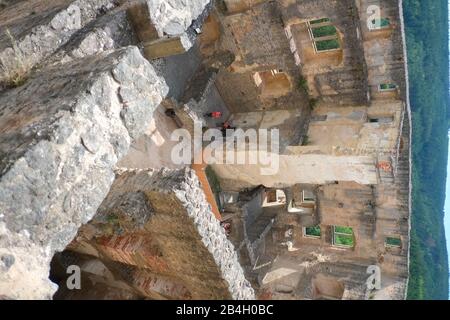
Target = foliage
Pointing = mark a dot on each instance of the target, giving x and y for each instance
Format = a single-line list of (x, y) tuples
[(346, 230), (344, 240), (387, 86), (303, 85), (214, 183), (306, 141), (427, 42), (324, 45), (343, 236), (324, 31), (313, 231), (394, 242), (15, 74), (313, 22)]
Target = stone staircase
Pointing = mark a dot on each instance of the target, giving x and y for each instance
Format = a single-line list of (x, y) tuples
[(385, 170), (263, 221)]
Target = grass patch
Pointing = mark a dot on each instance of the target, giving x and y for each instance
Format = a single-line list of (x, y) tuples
[(303, 85), (306, 141), (324, 31), (15, 74), (343, 236), (214, 183), (325, 45)]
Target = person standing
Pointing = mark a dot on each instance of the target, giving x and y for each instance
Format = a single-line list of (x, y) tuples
[(214, 114)]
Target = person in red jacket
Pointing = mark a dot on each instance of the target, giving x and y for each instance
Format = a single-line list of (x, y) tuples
[(214, 114)]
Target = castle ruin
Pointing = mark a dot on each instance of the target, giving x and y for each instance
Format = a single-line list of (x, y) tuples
[(86, 153)]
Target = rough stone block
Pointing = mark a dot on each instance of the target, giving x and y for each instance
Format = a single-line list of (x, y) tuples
[(61, 135)]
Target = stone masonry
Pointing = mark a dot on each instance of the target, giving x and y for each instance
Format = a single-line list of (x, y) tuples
[(62, 133), (152, 220)]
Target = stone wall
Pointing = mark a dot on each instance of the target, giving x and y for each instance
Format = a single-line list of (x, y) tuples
[(85, 95), (153, 220), (62, 133)]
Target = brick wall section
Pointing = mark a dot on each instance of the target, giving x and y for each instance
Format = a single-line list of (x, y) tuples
[(133, 249)]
